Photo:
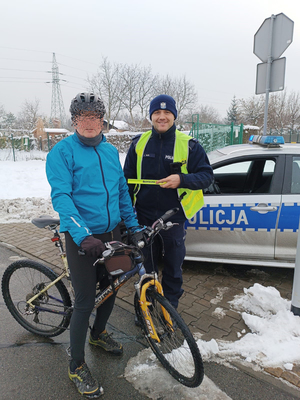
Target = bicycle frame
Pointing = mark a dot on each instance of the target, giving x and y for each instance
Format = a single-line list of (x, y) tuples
[(44, 290), (103, 295), (144, 306)]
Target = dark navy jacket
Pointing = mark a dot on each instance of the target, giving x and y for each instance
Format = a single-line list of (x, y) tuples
[(152, 200)]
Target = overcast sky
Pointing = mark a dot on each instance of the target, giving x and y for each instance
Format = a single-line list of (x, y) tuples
[(208, 41)]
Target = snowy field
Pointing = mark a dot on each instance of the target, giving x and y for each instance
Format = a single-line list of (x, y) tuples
[(274, 340)]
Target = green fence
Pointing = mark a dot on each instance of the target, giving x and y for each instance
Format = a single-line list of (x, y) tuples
[(215, 136), (14, 144), (290, 135)]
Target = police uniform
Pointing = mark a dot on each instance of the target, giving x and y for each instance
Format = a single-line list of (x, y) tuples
[(158, 158)]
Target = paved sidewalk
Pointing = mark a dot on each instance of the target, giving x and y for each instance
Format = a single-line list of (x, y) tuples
[(207, 287)]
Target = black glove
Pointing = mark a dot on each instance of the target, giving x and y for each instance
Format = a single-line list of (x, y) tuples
[(139, 233), (92, 247)]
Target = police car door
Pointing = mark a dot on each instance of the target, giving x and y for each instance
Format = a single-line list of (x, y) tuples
[(286, 238), (239, 222)]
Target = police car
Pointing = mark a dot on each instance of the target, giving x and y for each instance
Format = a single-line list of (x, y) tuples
[(251, 212)]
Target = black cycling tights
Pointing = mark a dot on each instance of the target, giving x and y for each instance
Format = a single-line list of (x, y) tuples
[(84, 279)]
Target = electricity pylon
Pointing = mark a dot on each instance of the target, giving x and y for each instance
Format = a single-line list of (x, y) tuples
[(57, 105)]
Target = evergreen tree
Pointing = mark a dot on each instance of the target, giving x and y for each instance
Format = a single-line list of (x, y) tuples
[(232, 112)]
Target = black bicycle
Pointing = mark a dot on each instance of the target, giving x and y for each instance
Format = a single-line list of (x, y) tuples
[(42, 301)]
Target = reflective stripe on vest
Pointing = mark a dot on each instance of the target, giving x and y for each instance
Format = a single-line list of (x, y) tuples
[(193, 200)]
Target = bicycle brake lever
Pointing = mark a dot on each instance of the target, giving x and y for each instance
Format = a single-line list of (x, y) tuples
[(99, 261), (169, 225), (105, 255)]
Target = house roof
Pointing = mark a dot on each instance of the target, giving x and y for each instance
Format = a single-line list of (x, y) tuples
[(56, 130), (120, 124)]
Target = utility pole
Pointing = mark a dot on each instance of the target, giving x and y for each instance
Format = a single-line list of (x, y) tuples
[(57, 105)]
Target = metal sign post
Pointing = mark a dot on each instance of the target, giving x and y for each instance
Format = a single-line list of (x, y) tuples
[(268, 77), (270, 41)]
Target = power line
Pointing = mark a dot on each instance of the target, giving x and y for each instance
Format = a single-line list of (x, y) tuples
[(17, 59), (14, 48), (21, 82), (48, 52), (72, 76), (69, 66), (22, 70), (76, 59), (69, 86), (17, 77)]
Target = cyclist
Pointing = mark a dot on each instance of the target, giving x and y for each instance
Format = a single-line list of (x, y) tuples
[(89, 191), (180, 166)]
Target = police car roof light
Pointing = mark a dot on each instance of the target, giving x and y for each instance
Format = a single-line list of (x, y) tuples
[(266, 140)]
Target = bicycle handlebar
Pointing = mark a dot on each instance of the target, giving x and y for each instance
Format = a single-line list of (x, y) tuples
[(167, 215), (157, 226)]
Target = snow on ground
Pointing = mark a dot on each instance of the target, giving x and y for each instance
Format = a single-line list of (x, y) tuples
[(274, 340), (148, 377)]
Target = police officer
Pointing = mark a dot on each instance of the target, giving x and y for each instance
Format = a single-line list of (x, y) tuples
[(181, 169)]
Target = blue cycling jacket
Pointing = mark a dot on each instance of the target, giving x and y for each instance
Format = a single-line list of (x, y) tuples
[(89, 190)]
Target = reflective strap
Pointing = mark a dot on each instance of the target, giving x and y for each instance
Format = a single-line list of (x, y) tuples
[(139, 149), (193, 200)]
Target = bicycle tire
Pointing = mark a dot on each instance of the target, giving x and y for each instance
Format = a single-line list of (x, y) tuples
[(177, 351), (21, 281)]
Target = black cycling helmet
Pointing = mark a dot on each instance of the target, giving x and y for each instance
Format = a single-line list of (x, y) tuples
[(87, 102)]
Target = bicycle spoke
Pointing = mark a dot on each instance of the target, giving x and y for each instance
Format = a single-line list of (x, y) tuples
[(176, 349), (51, 312)]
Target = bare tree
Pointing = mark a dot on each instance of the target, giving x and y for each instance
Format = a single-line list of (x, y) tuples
[(252, 111), (107, 83), (146, 85), (207, 114), (137, 93), (2, 115), (293, 111), (181, 90), (283, 111), (277, 112), (29, 114), (130, 88), (130, 95)]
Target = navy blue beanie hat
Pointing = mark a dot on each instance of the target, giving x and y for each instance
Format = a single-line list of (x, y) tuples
[(163, 102)]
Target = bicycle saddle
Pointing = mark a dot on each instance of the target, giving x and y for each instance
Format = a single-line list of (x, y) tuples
[(45, 220)]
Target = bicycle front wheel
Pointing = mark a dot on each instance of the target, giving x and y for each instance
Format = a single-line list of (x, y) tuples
[(177, 350), (51, 315)]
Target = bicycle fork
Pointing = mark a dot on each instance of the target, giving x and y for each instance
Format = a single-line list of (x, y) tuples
[(144, 303)]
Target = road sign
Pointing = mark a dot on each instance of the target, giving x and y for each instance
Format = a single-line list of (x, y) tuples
[(276, 36), (276, 78), (272, 38)]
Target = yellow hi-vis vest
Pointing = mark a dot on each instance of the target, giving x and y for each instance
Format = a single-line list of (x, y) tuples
[(193, 200)]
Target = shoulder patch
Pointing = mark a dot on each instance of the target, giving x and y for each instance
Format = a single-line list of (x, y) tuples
[(136, 138), (192, 143)]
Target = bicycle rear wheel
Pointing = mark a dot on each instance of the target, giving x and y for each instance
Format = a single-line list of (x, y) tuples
[(177, 351), (22, 280)]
